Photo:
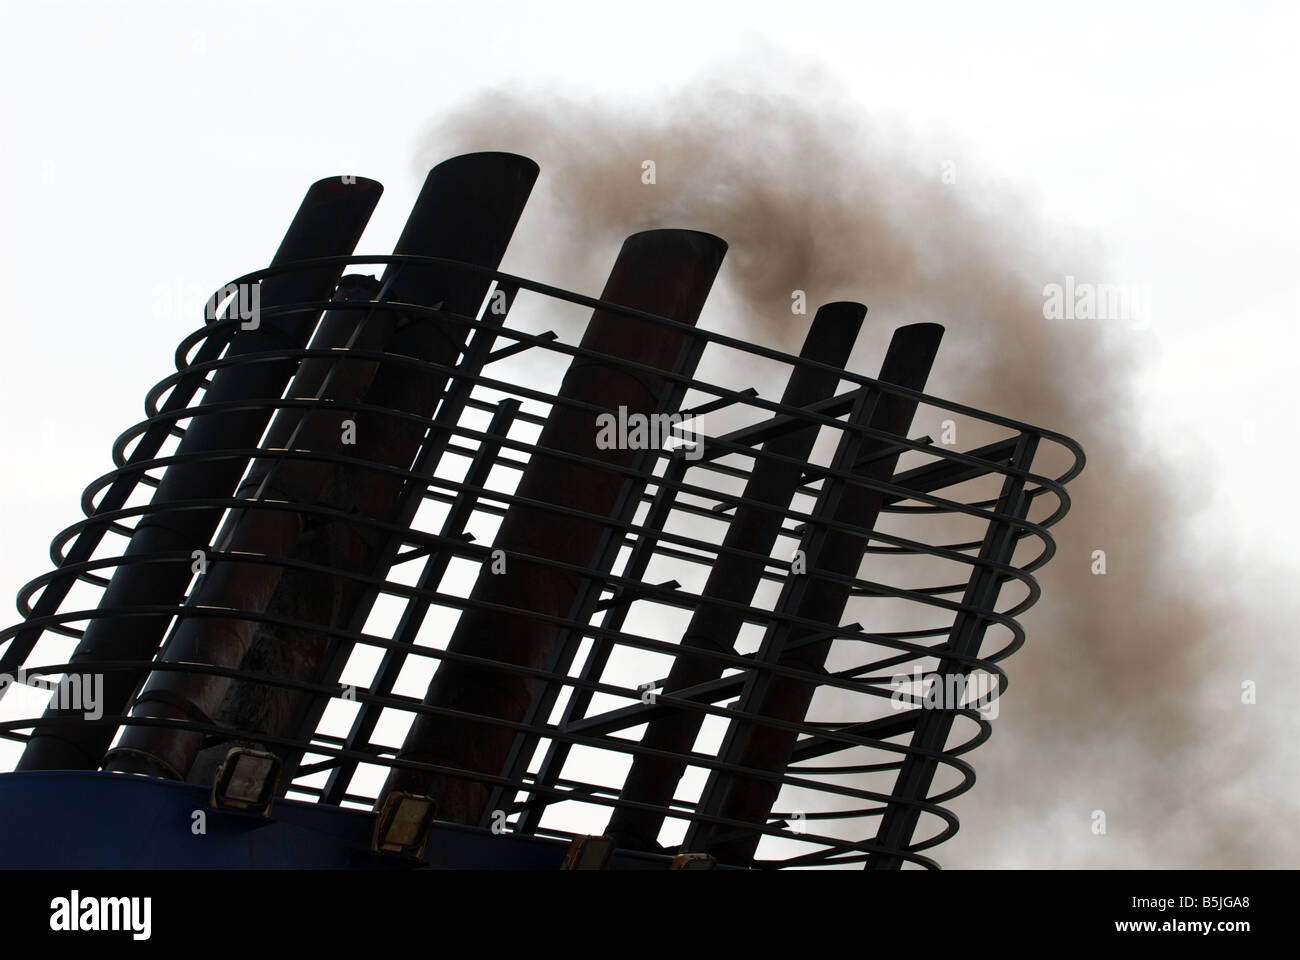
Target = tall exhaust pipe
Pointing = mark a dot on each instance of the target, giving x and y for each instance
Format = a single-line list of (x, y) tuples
[(218, 445), (664, 272), (754, 529), (765, 748), (467, 211)]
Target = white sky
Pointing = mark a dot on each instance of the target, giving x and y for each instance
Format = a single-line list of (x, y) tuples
[(153, 151)]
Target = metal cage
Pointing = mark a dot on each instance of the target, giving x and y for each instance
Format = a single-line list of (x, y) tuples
[(558, 588)]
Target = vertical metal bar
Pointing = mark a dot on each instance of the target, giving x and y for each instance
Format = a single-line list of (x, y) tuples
[(584, 604), (435, 566), (328, 223), (557, 752), (776, 638), (969, 626), (337, 379), (408, 502), (753, 529), (664, 272), (766, 748)]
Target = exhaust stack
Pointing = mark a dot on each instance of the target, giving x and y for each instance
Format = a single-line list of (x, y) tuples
[(664, 272), (627, 676)]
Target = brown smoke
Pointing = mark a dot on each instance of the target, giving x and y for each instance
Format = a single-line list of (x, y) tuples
[(1124, 698)]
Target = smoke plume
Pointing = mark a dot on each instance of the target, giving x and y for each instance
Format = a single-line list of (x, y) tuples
[(1127, 696)]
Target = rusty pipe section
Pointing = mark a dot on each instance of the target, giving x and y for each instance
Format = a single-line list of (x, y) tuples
[(329, 223), (473, 223), (754, 529), (467, 211), (664, 272), (264, 531), (907, 364), (275, 650)]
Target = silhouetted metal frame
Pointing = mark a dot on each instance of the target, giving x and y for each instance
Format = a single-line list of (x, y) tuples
[(106, 512)]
